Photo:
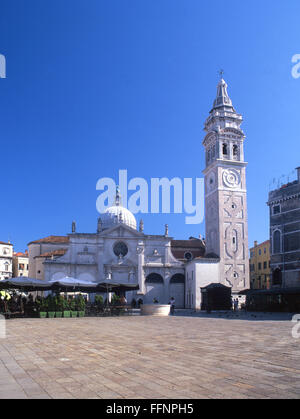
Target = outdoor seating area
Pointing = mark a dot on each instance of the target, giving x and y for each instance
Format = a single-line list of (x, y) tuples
[(62, 306), (67, 297)]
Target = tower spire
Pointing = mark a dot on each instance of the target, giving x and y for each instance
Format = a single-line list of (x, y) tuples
[(222, 98), (223, 114)]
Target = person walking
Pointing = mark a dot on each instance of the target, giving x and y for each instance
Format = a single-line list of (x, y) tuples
[(172, 304), (236, 304)]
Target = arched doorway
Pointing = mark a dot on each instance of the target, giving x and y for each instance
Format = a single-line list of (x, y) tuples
[(154, 288), (176, 289), (277, 277)]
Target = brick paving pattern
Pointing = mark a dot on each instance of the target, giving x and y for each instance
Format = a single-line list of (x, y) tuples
[(149, 357)]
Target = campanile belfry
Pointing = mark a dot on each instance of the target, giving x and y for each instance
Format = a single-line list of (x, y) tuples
[(225, 191)]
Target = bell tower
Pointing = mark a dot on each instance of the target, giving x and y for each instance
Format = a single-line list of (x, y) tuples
[(225, 191)]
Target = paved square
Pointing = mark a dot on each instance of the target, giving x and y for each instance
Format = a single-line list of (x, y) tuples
[(149, 357)]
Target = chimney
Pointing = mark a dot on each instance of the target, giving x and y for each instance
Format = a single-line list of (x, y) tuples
[(298, 173), (255, 243)]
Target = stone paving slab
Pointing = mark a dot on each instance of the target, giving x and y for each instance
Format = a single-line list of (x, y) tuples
[(149, 357)]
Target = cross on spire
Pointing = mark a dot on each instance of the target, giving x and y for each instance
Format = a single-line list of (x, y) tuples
[(221, 73)]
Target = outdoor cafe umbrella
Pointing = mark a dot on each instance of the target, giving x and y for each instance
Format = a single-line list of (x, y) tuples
[(116, 286), (64, 285), (25, 284), (72, 284), (110, 286)]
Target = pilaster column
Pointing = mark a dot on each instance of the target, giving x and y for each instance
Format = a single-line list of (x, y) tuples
[(141, 261)]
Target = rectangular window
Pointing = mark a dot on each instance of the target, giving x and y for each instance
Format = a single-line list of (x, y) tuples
[(276, 209), (292, 242), (259, 266), (265, 265)]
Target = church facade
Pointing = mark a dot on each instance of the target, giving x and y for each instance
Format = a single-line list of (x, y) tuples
[(162, 267)]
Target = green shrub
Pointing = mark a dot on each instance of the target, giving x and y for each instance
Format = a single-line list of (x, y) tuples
[(80, 303), (115, 300), (72, 304), (59, 303), (50, 302), (66, 306), (41, 304), (99, 301)]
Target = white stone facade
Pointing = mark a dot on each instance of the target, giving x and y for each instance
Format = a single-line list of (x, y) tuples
[(120, 253), (92, 257), (198, 274)]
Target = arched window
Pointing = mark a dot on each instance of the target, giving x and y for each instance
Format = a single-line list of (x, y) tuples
[(225, 152), (235, 150), (277, 277), (177, 279), (154, 278), (276, 242)]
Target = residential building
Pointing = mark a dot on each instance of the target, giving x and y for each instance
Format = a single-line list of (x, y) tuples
[(20, 264), (260, 273), (42, 249), (6, 258), (284, 205)]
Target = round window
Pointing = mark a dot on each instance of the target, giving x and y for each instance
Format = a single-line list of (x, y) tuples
[(120, 249), (188, 255)]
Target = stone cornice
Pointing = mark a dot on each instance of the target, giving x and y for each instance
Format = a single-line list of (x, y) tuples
[(283, 198)]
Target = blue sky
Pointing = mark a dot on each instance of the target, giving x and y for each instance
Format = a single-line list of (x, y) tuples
[(101, 85)]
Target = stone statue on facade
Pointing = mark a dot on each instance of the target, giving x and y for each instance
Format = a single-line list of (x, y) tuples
[(99, 225), (74, 227), (166, 230), (141, 226)]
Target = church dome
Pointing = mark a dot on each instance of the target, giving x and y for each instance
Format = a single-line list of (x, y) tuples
[(117, 214)]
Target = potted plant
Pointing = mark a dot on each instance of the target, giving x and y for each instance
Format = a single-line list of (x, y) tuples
[(41, 307), (66, 308), (80, 305), (51, 306), (72, 305)]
